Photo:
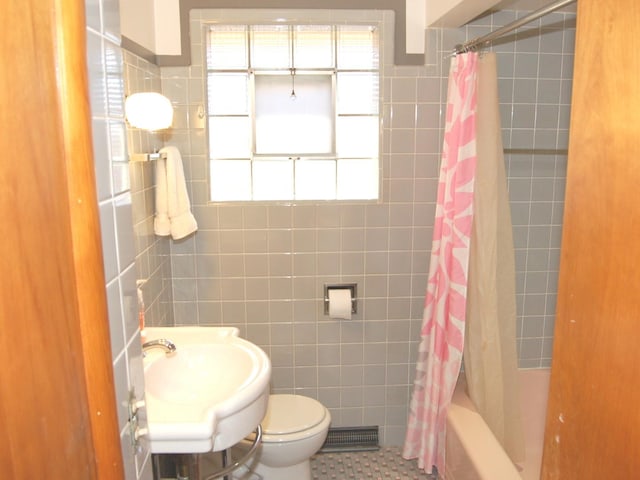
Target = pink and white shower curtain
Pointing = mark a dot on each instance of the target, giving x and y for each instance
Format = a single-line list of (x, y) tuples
[(441, 347)]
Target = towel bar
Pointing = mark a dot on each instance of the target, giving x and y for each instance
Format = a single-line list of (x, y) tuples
[(146, 157)]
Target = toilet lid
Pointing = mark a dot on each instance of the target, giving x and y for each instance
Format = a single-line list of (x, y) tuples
[(291, 413)]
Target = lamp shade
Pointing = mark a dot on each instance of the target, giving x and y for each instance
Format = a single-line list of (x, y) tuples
[(148, 111)]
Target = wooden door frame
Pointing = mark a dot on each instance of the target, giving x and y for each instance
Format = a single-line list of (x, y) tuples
[(57, 401)]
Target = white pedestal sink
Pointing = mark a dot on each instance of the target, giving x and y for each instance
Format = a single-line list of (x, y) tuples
[(207, 395)]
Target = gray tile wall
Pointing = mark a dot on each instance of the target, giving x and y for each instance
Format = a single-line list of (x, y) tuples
[(153, 261), (262, 267), (106, 85)]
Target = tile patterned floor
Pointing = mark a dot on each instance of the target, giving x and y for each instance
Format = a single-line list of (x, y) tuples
[(384, 464)]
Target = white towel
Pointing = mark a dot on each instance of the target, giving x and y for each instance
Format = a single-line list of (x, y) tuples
[(173, 209), (161, 222)]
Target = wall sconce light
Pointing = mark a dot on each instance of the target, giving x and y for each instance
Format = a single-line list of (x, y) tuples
[(148, 111)]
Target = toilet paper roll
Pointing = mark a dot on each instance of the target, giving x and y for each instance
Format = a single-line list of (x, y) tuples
[(340, 303)]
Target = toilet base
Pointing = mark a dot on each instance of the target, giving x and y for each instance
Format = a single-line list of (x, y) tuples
[(259, 471), (286, 449)]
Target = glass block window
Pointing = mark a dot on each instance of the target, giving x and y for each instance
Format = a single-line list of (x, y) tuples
[(293, 112)]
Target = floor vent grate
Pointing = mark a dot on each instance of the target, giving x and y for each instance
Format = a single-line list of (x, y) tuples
[(351, 439)]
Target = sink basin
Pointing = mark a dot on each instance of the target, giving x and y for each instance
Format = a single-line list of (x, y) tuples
[(207, 395)]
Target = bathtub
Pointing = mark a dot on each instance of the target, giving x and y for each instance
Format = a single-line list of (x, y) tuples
[(472, 452)]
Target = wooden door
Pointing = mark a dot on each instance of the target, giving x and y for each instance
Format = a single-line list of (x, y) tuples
[(593, 419), (57, 405)]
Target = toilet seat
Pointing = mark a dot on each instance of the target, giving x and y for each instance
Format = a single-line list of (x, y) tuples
[(291, 413), (293, 417)]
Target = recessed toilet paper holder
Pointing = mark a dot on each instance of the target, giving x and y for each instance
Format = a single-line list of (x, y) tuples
[(342, 286)]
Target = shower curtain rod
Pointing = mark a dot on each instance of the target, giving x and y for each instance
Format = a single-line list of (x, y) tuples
[(482, 41)]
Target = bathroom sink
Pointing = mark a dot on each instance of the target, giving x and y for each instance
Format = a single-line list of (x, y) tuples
[(207, 395)]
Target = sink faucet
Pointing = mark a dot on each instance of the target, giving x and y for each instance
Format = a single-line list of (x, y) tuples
[(167, 345)]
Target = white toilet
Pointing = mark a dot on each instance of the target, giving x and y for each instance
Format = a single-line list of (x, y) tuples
[(294, 428)]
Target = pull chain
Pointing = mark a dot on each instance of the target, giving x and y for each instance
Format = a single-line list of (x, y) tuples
[(293, 85)]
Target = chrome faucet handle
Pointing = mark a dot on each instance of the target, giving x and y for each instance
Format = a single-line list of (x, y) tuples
[(167, 345)]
